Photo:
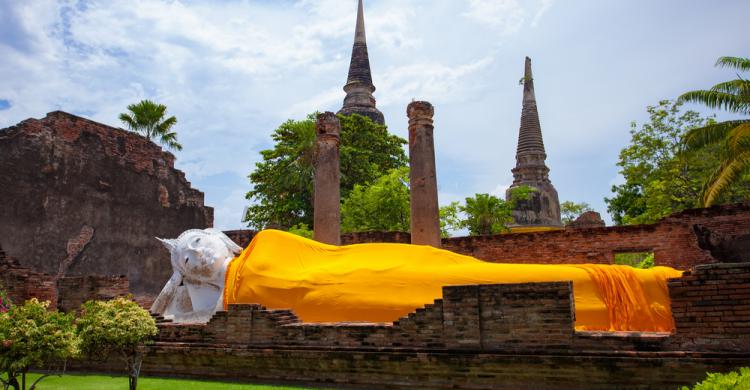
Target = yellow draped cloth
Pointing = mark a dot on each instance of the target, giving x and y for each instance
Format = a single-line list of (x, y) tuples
[(382, 282)]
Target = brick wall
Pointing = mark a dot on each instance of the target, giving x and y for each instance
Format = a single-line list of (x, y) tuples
[(73, 291), (475, 337), (673, 240), (22, 283), (81, 198), (711, 307)]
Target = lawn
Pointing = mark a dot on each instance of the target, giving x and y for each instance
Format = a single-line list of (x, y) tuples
[(101, 382)]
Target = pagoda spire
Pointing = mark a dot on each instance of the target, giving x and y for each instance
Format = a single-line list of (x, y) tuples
[(543, 208), (359, 86)]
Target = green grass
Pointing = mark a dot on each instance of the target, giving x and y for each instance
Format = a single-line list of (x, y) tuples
[(102, 382)]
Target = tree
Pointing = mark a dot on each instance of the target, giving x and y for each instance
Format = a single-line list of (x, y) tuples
[(32, 335), (282, 183), (486, 214), (660, 178), (571, 211), (382, 205), (732, 137), (148, 118), (119, 327), (450, 218)]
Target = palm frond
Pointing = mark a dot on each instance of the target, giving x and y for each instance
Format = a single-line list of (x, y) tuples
[(716, 100), (723, 177), (128, 120), (738, 138), (737, 87), (170, 139), (738, 63), (711, 134), (164, 126)]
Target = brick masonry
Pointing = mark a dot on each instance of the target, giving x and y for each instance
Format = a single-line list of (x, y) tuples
[(63, 293), (475, 337), (81, 198), (676, 241), (711, 307)]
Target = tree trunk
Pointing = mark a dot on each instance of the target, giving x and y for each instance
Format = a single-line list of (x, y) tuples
[(135, 370)]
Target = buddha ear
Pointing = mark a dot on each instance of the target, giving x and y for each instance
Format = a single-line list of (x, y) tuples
[(170, 244)]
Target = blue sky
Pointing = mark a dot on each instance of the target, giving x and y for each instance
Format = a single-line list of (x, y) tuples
[(232, 71)]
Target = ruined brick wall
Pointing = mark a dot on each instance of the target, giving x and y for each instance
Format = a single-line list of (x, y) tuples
[(22, 283), (81, 198), (711, 308), (682, 240), (476, 337), (673, 240), (73, 291)]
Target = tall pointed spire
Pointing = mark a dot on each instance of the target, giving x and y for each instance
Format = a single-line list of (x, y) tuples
[(543, 208), (359, 87)]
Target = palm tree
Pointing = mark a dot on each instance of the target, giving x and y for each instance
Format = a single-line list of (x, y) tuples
[(147, 118), (733, 136)]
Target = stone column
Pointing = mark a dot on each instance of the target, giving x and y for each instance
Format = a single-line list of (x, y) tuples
[(326, 217), (425, 218)]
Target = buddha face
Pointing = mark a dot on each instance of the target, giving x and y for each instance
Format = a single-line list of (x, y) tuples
[(200, 256)]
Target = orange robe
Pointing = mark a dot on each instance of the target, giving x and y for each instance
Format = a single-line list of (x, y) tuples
[(382, 282)]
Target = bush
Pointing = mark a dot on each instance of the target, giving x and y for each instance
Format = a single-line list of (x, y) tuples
[(32, 335), (734, 380), (119, 327), (5, 302)]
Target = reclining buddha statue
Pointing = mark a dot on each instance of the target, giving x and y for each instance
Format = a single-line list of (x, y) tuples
[(382, 282)]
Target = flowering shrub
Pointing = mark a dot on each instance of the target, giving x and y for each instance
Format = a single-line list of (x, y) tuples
[(5, 303), (32, 335), (119, 327), (733, 380)]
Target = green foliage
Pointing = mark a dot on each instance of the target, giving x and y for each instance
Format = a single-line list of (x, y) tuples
[(642, 260), (118, 326), (282, 183), (148, 118), (570, 211), (32, 335), (716, 381), (301, 230), (647, 262), (731, 138), (382, 205), (486, 214), (450, 218), (660, 178), (483, 214), (5, 302)]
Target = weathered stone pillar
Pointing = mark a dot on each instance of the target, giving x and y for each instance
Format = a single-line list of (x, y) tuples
[(425, 219), (326, 217)]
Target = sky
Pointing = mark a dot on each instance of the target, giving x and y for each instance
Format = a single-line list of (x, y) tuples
[(232, 71)]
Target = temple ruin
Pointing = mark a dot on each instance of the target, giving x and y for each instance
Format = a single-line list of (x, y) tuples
[(543, 207), (359, 87), (82, 198), (327, 187)]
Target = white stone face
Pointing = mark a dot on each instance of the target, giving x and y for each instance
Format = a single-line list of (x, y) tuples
[(199, 263)]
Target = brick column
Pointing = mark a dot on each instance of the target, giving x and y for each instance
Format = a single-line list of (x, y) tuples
[(425, 219), (326, 217)]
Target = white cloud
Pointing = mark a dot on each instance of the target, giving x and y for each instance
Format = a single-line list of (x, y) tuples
[(507, 16), (543, 8), (431, 81)]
